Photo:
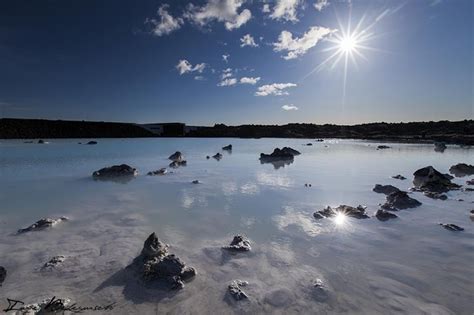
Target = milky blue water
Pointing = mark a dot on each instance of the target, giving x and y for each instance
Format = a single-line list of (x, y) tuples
[(407, 265)]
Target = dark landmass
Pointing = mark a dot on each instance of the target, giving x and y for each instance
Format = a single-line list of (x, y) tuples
[(40, 128), (456, 132)]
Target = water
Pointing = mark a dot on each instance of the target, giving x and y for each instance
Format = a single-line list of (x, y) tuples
[(408, 265)]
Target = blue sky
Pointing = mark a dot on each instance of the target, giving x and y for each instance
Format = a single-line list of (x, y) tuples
[(158, 61)]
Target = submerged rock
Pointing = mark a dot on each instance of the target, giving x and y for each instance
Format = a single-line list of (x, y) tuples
[(353, 212), (381, 147), (122, 170), (217, 156), (385, 189), (3, 275), (91, 142), (155, 263), (176, 164), (401, 177), (235, 289), (42, 224), (309, 144), (227, 147), (239, 244), (452, 227), (429, 179), (320, 290), (439, 146), (41, 141), (400, 200), (161, 171), (177, 156), (462, 169), (435, 195), (195, 181), (285, 153), (384, 215), (53, 262)]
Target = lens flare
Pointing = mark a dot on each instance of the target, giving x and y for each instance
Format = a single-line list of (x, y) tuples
[(340, 218)]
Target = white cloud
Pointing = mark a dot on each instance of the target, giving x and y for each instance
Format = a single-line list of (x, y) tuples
[(285, 10), (185, 66), (226, 73), (321, 4), (266, 8), (166, 24), (199, 78), (289, 107), (228, 82), (274, 89), (299, 46), (248, 40), (249, 80), (225, 58), (226, 11)]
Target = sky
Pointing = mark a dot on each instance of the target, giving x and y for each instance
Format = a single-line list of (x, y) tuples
[(203, 62)]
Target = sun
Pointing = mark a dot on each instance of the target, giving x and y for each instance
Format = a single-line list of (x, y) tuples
[(347, 44)]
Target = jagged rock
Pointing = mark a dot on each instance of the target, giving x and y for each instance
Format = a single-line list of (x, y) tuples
[(401, 177), (3, 275), (155, 263), (320, 290), (381, 147), (122, 170), (435, 195), (46, 307), (439, 147), (177, 157), (161, 171), (53, 262), (385, 189), (42, 224), (470, 182), (452, 227), (235, 289), (227, 147), (91, 142), (384, 215), (286, 153), (354, 212), (400, 200), (176, 164), (462, 169), (239, 244), (429, 179), (195, 181), (217, 156)]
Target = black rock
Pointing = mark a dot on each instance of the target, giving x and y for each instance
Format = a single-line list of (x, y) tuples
[(435, 195), (122, 170), (91, 142), (42, 224), (177, 156), (195, 181), (452, 227), (399, 177), (239, 243), (400, 200), (41, 141), (385, 189), (381, 147), (3, 275), (286, 153), (161, 171), (217, 156), (470, 182), (384, 215), (53, 262), (462, 169), (440, 146), (235, 289), (227, 147), (176, 164), (429, 179), (309, 143), (353, 212), (208, 157)]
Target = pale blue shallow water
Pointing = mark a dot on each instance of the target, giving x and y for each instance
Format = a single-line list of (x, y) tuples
[(408, 265)]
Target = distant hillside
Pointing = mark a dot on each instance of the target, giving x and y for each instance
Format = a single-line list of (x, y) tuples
[(39, 128), (461, 132)]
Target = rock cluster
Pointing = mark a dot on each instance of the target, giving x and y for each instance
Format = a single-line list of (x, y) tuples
[(42, 224), (400, 200), (122, 170), (429, 179), (217, 156), (285, 153), (53, 262), (462, 169), (235, 289), (155, 263), (161, 171), (176, 164), (353, 212), (385, 189), (239, 244)]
